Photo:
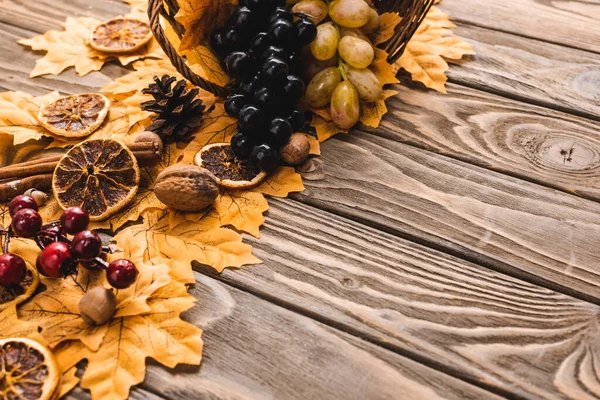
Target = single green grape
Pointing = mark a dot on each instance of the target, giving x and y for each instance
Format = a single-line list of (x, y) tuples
[(315, 9), (356, 52), (312, 66), (320, 88), (354, 32), (349, 13), (365, 82), (345, 106), (326, 43), (373, 23)]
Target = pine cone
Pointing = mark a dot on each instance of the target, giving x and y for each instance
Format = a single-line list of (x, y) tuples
[(178, 111)]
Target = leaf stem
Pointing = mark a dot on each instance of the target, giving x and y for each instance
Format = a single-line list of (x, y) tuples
[(342, 70)]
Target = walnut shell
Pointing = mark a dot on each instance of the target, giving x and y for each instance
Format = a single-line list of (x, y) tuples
[(297, 149), (97, 306), (186, 187)]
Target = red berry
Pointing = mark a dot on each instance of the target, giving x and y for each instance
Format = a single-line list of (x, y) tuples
[(26, 223), (12, 269), (86, 245), (56, 260), (74, 220), (20, 202), (121, 273)]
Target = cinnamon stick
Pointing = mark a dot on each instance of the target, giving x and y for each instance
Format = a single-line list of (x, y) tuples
[(146, 153), (14, 188)]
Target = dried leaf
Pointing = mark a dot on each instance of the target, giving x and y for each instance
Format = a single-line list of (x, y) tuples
[(242, 210), (385, 71), (68, 382), (69, 48), (18, 115), (281, 183), (200, 18), (315, 145), (12, 326), (387, 24), (425, 53), (325, 129), (371, 113), (208, 63), (138, 5)]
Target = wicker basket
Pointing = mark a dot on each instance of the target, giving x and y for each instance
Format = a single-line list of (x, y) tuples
[(412, 11)]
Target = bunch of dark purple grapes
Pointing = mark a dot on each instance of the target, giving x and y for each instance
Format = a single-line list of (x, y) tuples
[(261, 47)]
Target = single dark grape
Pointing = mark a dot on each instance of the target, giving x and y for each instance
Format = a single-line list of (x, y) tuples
[(296, 119), (275, 69), (234, 103), (239, 63), (281, 13), (26, 223), (242, 20), (74, 220), (266, 97), (260, 42), (305, 31), (251, 119), (56, 261), (241, 145), (281, 32), (86, 245), (233, 40), (121, 274), (294, 59), (277, 3), (12, 269), (293, 88), (218, 42), (280, 131), (273, 51), (264, 156), (21, 202)]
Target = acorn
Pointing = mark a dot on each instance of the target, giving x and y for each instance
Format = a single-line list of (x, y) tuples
[(97, 306), (148, 136), (296, 150), (40, 197)]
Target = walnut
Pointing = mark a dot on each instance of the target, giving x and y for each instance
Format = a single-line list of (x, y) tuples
[(297, 149), (186, 187)]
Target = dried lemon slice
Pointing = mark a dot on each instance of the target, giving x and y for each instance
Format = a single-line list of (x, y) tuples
[(99, 175), (17, 294), (29, 370), (121, 35), (230, 172), (75, 116)]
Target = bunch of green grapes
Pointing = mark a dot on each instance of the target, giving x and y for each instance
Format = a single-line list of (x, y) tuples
[(337, 68)]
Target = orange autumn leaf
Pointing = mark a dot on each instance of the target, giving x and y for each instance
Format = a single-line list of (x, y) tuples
[(324, 128), (70, 48), (200, 18), (241, 209), (18, 115), (12, 326), (120, 361), (387, 24), (207, 63), (68, 381), (371, 113), (202, 241), (281, 183), (425, 54), (384, 71)]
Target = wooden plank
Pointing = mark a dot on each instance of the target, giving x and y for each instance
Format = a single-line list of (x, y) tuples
[(545, 146), (257, 350), (136, 393), (571, 23), (526, 230), (484, 327), (530, 70)]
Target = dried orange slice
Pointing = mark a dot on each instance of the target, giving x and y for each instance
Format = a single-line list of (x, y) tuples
[(29, 370), (99, 175), (121, 35), (17, 294), (75, 116), (230, 172)]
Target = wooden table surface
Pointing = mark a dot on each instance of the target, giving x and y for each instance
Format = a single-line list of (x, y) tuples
[(453, 253)]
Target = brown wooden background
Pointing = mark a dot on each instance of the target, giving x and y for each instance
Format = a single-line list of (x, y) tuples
[(453, 253)]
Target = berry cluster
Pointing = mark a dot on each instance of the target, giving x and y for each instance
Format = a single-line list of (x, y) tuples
[(261, 46), (60, 254)]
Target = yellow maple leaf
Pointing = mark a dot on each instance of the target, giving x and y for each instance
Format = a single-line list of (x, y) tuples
[(68, 381), (12, 326), (325, 128), (424, 55), (208, 63), (281, 183), (70, 48), (387, 25), (119, 362), (200, 18), (18, 115), (385, 71), (371, 113), (241, 209)]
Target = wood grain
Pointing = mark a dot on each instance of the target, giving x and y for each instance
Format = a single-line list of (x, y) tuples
[(545, 146), (489, 329), (571, 23), (257, 350), (530, 70)]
